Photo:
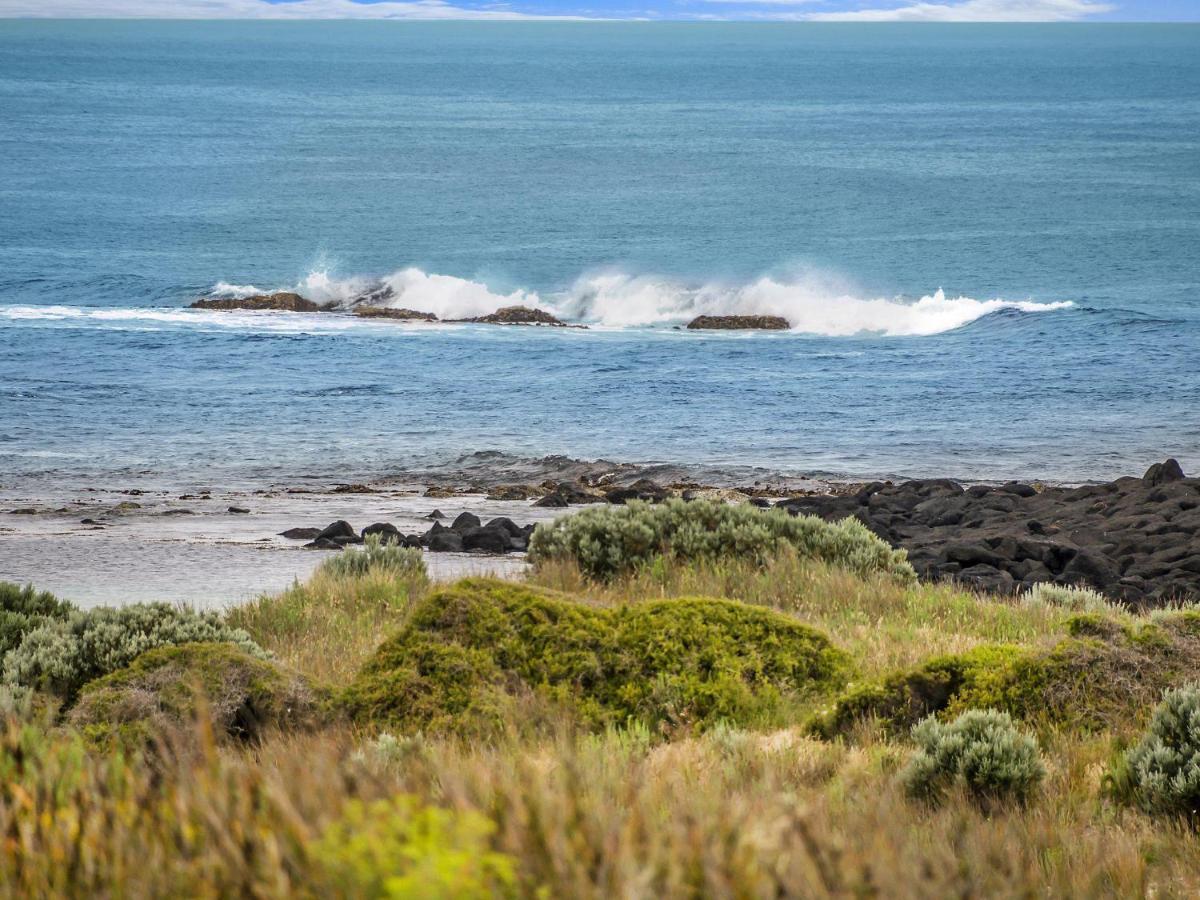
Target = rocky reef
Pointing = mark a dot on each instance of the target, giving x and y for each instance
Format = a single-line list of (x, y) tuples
[(284, 301), (732, 323)]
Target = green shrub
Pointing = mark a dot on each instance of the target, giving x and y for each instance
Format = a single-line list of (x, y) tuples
[(376, 555), (1076, 599), (62, 655), (1105, 675), (902, 699), (400, 849), (980, 750), (608, 541), (472, 650), (1162, 773), (23, 609), (163, 689)]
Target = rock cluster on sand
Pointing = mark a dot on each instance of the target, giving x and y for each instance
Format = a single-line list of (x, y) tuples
[(1134, 539), (283, 300), (761, 323), (467, 532)]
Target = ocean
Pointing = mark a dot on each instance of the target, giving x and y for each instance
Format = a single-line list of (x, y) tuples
[(986, 238)]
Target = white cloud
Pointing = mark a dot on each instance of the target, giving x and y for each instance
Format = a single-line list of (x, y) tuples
[(975, 11), (251, 9)]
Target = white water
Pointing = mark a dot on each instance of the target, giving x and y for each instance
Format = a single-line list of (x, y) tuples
[(814, 303)]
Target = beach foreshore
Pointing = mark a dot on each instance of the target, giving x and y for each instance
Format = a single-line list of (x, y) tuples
[(1135, 538)]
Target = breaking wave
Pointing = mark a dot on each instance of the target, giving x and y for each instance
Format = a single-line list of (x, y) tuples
[(812, 302)]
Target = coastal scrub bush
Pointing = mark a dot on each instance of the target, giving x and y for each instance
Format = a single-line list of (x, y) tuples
[(23, 609), (164, 688), (62, 655), (608, 541), (1075, 599), (470, 651), (981, 750), (376, 555), (1104, 675), (1162, 773), (401, 849)]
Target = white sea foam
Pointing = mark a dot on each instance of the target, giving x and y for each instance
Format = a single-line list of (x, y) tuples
[(814, 303)]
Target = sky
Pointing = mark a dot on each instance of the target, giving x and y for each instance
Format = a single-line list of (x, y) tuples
[(753, 10)]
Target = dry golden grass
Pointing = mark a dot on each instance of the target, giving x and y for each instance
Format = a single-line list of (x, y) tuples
[(729, 813)]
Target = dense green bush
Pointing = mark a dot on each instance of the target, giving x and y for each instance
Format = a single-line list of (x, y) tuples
[(1105, 675), (378, 556), (1076, 599), (400, 849), (1162, 773), (62, 655), (981, 750), (472, 650), (163, 689), (23, 609), (607, 541)]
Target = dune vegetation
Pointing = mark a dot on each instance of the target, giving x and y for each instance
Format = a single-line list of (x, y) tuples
[(780, 722)]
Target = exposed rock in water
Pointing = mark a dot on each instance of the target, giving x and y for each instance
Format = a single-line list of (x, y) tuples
[(519, 315), (514, 492), (1133, 539), (301, 534), (642, 489), (386, 312), (760, 323), (283, 300)]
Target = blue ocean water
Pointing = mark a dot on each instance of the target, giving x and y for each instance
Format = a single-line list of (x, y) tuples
[(985, 237)]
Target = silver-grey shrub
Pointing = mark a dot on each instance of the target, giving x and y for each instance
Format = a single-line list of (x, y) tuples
[(379, 556), (61, 656), (981, 750), (1163, 771), (607, 541), (1059, 596)]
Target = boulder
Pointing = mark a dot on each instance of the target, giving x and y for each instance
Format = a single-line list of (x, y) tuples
[(514, 492), (465, 521), (301, 534), (335, 530), (444, 541), (553, 500), (759, 323), (285, 301), (489, 539), (388, 533), (1163, 473)]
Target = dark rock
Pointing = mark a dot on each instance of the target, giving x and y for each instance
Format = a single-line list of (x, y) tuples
[(491, 540), (642, 489), (1164, 473), (301, 534), (553, 500), (239, 510), (445, 541), (323, 544), (514, 492), (388, 533), (282, 300), (386, 312), (518, 315), (761, 323), (760, 502), (513, 529), (353, 489), (465, 521), (1018, 489), (89, 522), (987, 579), (436, 514), (338, 529)]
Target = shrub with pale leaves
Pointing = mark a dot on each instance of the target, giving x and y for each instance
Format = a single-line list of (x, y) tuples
[(1162, 773), (608, 541), (982, 751), (378, 556), (1059, 596)]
